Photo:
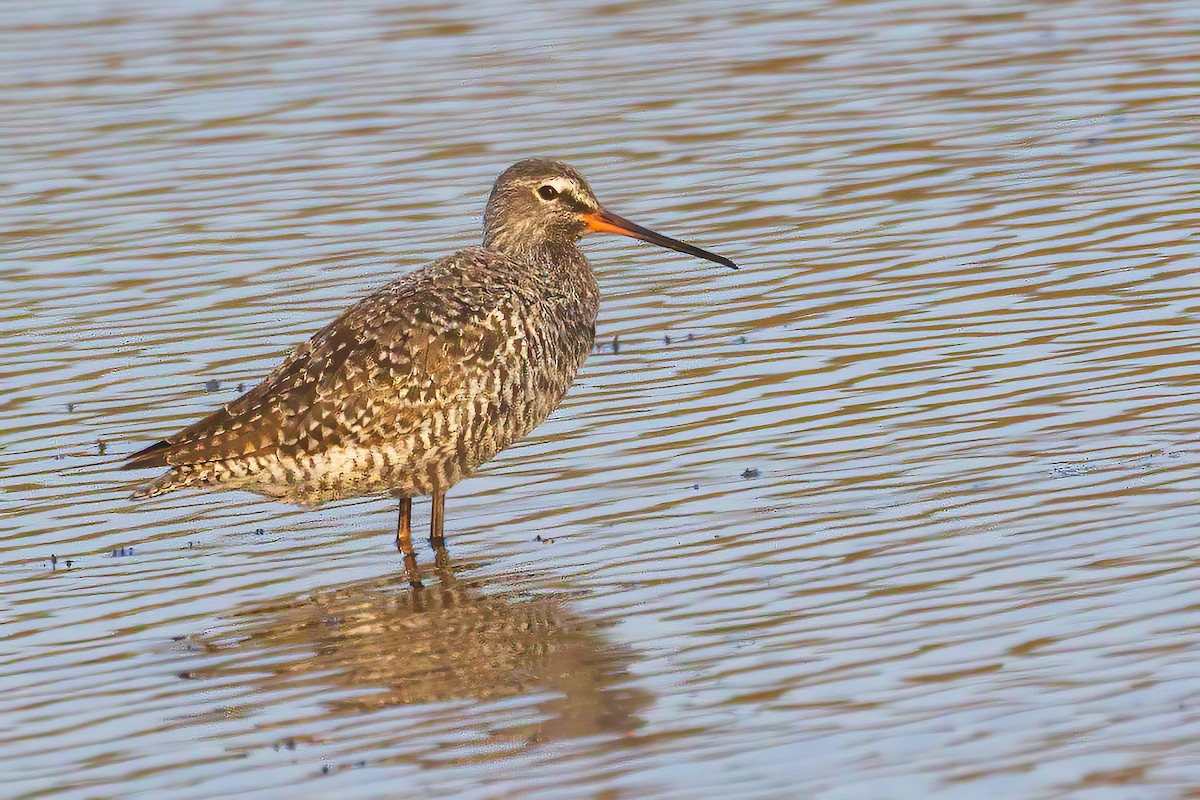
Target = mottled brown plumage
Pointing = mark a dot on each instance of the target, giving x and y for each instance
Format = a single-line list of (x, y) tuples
[(415, 386)]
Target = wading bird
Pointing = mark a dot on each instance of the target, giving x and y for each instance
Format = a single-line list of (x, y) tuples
[(414, 387)]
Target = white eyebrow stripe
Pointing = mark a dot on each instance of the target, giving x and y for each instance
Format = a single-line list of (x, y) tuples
[(570, 192), (562, 185)]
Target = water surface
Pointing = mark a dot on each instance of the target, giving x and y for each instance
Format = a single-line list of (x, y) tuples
[(905, 508)]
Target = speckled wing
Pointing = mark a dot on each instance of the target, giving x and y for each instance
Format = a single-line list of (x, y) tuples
[(387, 363)]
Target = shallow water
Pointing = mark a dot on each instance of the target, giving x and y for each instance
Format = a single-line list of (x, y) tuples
[(906, 508)]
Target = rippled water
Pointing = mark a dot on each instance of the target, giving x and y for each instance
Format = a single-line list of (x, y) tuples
[(906, 508)]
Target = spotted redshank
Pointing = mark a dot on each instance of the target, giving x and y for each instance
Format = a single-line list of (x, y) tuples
[(414, 387)]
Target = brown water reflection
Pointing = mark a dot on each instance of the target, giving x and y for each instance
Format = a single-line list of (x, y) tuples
[(905, 508), (376, 644)]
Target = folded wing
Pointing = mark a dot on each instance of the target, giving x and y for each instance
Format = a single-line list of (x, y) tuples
[(389, 362)]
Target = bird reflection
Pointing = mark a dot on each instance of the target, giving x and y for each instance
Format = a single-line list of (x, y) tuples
[(400, 641)]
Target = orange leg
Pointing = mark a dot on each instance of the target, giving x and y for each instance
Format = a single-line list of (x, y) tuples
[(404, 527), (437, 521), (404, 540)]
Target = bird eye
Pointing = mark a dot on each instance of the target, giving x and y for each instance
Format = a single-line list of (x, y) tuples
[(547, 192)]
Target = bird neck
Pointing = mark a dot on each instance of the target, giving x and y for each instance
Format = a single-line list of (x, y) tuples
[(554, 255)]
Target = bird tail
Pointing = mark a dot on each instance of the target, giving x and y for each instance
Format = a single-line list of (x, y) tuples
[(148, 458), (175, 478)]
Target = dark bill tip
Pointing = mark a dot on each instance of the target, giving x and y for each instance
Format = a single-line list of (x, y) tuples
[(607, 222)]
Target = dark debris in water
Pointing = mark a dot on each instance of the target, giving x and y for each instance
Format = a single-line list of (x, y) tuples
[(1070, 470), (750, 472), (613, 347), (54, 561), (212, 385), (328, 768), (1075, 469), (293, 743), (101, 449)]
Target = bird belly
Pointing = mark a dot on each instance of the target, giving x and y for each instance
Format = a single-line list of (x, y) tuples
[(448, 447)]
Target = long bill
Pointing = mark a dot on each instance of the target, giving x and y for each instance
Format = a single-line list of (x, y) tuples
[(605, 221)]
